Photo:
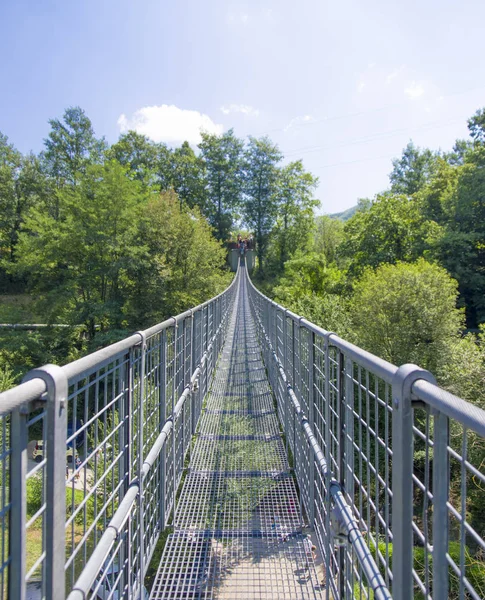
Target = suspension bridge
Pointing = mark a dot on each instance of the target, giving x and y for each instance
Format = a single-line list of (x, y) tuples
[(238, 451)]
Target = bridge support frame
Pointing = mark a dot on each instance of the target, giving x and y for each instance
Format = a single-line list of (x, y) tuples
[(18, 512), (311, 419), (140, 439), (55, 489), (402, 477)]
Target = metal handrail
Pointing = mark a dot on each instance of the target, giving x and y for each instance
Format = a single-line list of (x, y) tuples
[(386, 526), (141, 399), (360, 417)]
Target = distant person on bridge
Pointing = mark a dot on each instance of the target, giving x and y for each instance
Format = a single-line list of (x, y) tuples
[(310, 554)]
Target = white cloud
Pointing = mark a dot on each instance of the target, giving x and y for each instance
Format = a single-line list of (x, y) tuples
[(394, 84), (415, 90), (298, 121), (242, 18), (169, 124), (245, 109), (391, 76)]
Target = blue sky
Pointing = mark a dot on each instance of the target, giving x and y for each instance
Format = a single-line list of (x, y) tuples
[(342, 85)]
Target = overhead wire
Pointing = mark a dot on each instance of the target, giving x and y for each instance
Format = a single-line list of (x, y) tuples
[(374, 137), (358, 113)]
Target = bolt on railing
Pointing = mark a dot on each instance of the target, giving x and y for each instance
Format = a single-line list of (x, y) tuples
[(356, 426)]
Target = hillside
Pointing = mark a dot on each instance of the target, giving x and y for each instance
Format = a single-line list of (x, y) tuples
[(346, 214)]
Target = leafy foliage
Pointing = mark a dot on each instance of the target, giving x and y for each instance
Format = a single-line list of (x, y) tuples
[(295, 220), (412, 171), (180, 265), (71, 146), (261, 185), (223, 178), (77, 264), (407, 313), (392, 229)]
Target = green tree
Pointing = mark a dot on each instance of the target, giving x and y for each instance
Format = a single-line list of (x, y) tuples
[(78, 265), (188, 177), (222, 162), (406, 313), (71, 146), (261, 187), (328, 235), (476, 126), (412, 171), (312, 288), (295, 219), (455, 198), (163, 171), (392, 229), (182, 264), (22, 186), (436, 198), (138, 154), (458, 155), (462, 247), (10, 203)]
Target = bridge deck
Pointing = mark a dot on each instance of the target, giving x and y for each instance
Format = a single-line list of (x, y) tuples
[(238, 526)]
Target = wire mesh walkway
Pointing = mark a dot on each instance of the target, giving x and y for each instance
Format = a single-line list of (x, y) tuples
[(238, 524)]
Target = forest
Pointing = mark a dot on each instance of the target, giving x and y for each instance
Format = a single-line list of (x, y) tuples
[(109, 239), (404, 275), (106, 239)]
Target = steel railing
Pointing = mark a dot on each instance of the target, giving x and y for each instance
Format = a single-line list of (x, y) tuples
[(384, 461), (92, 454), (390, 467)]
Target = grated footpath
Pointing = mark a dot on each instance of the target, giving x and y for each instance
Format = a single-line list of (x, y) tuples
[(238, 523)]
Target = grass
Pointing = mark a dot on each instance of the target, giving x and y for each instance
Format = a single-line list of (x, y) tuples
[(34, 549), (156, 558), (18, 308), (474, 568)]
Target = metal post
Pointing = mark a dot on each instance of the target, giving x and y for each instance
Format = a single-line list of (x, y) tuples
[(192, 369), (285, 367), (186, 358), (18, 511), (297, 384), (206, 328), (348, 478), (287, 420), (183, 382), (174, 429), (402, 478), (327, 437), (141, 506), (162, 409), (441, 482), (285, 342), (342, 561), (163, 491), (275, 328), (55, 513), (311, 419), (128, 406)]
